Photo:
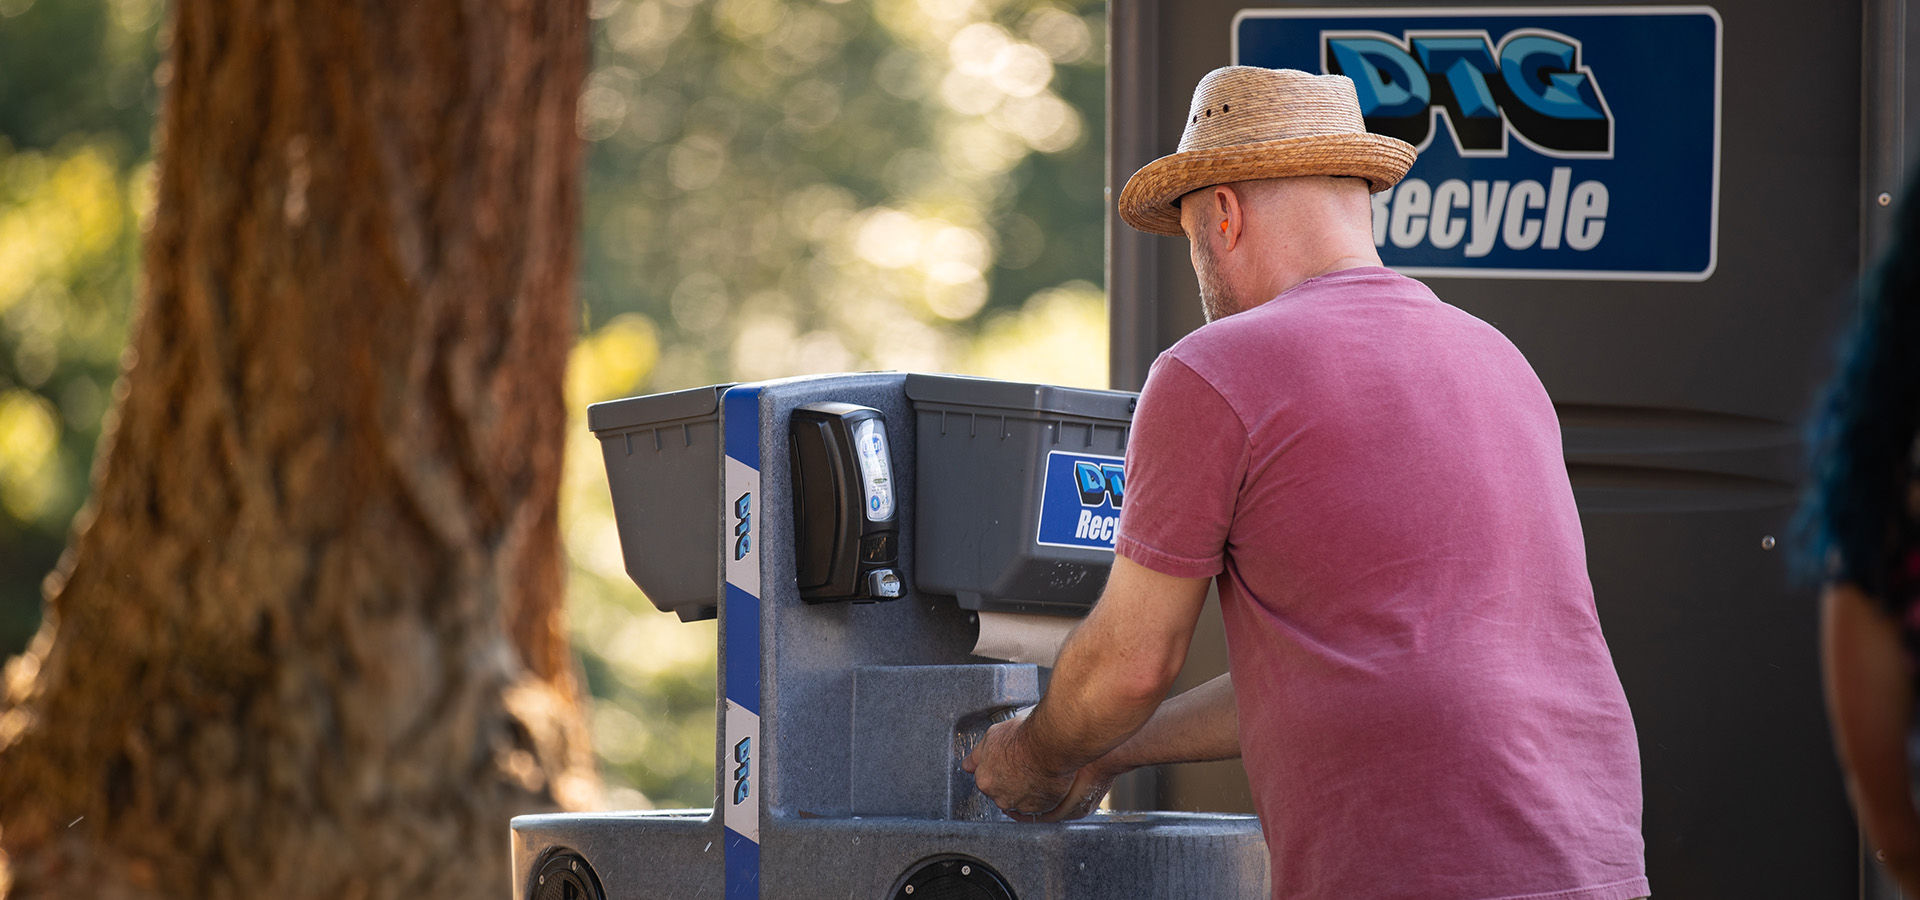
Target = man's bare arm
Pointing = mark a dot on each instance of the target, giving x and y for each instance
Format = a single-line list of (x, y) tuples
[(1201, 725), (1112, 674)]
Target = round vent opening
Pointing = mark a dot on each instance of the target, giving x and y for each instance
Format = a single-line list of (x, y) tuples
[(565, 875), (953, 878)]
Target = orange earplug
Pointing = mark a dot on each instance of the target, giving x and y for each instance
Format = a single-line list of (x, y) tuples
[(1223, 226)]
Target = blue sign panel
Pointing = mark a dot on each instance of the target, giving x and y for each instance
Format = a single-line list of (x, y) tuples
[(1080, 500), (1554, 143)]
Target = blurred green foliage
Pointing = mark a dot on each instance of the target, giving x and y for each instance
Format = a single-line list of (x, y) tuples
[(794, 186), (77, 106), (782, 187), (774, 187)]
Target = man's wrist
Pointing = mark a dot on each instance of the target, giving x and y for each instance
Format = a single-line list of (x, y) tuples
[(1113, 765), (1041, 759)]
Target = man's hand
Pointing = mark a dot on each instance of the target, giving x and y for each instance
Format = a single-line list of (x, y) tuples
[(1200, 725), (1090, 786), (1004, 768)]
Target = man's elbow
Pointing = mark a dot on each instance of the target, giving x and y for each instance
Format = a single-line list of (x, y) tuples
[(1142, 684)]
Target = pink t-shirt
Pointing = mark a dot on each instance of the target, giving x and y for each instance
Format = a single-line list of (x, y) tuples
[(1427, 707)]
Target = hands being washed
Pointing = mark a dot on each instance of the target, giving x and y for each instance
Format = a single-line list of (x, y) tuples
[(1006, 770)]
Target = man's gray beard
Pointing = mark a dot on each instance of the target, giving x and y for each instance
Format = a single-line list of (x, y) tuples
[(1215, 301)]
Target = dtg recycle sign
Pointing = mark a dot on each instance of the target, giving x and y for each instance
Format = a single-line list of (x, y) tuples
[(1572, 143)]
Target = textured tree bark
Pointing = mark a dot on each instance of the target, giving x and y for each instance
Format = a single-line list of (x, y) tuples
[(309, 643)]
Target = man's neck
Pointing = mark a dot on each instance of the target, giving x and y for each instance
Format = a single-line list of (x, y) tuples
[(1300, 229), (1287, 277)]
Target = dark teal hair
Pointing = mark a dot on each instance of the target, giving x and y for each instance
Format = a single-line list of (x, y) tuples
[(1862, 435)]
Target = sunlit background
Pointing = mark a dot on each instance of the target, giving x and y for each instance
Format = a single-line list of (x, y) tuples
[(774, 187)]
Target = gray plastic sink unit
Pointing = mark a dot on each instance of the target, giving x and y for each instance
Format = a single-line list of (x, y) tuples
[(841, 727)]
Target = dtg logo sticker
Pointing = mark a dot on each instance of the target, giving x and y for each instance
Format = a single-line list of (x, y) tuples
[(1080, 500), (1532, 85), (1554, 143)]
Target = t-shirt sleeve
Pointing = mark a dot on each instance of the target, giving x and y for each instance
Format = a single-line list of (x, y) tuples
[(1186, 460)]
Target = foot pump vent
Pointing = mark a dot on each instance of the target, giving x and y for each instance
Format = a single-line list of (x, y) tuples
[(953, 878), (565, 875)]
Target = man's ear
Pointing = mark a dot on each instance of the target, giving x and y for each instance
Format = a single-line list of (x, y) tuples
[(1226, 206)]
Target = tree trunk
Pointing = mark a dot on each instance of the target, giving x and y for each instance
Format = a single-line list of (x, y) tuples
[(309, 643)]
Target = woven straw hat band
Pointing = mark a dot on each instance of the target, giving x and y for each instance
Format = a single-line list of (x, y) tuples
[(1249, 124), (1246, 105)]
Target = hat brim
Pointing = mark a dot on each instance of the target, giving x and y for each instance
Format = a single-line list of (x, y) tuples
[(1147, 201)]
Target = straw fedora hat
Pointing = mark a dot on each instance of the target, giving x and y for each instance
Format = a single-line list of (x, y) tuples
[(1249, 123)]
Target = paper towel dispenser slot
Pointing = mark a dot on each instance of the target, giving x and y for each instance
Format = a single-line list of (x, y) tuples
[(846, 533)]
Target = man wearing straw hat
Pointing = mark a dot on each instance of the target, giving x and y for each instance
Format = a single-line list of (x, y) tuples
[(1417, 680)]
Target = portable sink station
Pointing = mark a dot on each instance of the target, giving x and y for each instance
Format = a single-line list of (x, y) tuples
[(859, 537)]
